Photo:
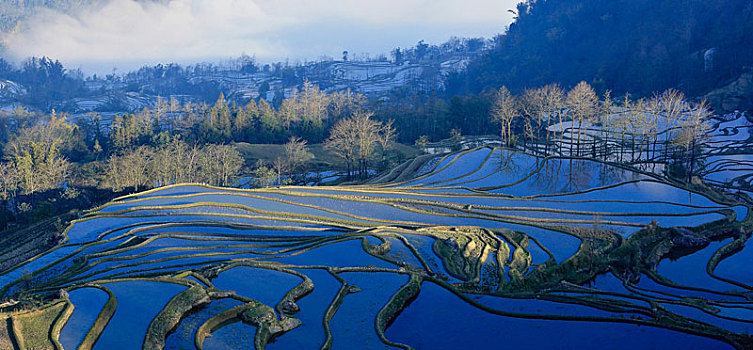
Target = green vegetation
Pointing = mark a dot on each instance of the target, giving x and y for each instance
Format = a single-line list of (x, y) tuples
[(170, 316), (37, 329)]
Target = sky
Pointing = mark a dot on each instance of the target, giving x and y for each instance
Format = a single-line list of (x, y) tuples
[(127, 34)]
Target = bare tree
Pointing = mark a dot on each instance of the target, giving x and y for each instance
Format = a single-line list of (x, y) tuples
[(287, 113), (582, 104), (622, 123), (264, 176), (343, 141), (220, 164), (368, 131), (605, 118), (504, 111), (355, 138), (670, 104), (296, 153), (693, 130), (36, 153), (387, 136), (533, 105), (132, 169), (554, 100)]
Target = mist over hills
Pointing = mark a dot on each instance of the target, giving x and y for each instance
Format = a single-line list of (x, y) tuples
[(12, 11), (702, 48)]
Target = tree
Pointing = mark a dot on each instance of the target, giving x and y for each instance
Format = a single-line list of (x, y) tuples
[(36, 153), (456, 137), (505, 110), (622, 123), (533, 105), (244, 121), (269, 127), (605, 118), (693, 130), (287, 113), (343, 141), (386, 138), (670, 104), (582, 104), (421, 142), (263, 175), (554, 100), (367, 133), (132, 169), (219, 164), (9, 180), (311, 102), (355, 138), (296, 153), (216, 126)]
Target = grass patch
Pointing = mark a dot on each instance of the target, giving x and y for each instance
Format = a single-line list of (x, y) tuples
[(33, 330)]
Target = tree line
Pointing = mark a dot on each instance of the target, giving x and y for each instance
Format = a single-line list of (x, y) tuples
[(549, 120), (173, 143)]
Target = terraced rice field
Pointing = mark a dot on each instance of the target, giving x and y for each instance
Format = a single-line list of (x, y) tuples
[(485, 246)]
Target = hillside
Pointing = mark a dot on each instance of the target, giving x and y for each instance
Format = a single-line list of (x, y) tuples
[(638, 46), (46, 84)]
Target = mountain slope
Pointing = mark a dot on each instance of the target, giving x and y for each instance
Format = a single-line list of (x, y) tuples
[(638, 46)]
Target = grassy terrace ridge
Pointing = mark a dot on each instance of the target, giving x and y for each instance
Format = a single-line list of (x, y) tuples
[(189, 234)]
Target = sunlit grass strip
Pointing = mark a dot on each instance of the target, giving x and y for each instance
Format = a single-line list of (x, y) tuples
[(394, 202), (676, 323), (478, 194), (405, 195), (254, 312), (403, 172), (737, 245), (154, 225), (435, 168), (170, 316), (394, 306), (246, 208), (59, 323), (216, 322), (329, 313), (467, 208), (270, 215), (304, 247), (103, 318), (471, 172)]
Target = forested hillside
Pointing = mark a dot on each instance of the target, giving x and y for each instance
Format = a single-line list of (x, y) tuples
[(622, 45), (11, 11)]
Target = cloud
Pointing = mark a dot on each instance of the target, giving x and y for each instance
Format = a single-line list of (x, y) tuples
[(136, 32)]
